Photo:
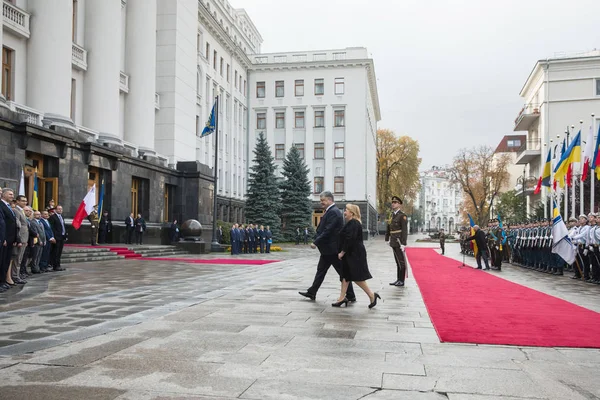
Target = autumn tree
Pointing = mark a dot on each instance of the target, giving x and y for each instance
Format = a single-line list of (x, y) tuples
[(481, 174), (397, 168)]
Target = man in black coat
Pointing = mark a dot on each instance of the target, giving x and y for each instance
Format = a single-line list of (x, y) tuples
[(327, 240), (59, 230), (129, 228), (8, 235), (482, 250)]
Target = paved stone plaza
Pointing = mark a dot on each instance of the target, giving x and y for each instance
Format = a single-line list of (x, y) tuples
[(144, 330)]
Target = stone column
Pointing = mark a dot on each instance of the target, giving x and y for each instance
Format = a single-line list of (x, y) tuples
[(140, 65), (101, 87), (49, 58)]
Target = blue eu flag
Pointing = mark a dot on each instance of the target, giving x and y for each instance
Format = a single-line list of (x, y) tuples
[(210, 124)]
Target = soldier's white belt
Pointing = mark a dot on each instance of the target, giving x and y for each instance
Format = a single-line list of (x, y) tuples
[(399, 231)]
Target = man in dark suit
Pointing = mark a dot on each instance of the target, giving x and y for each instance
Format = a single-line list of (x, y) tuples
[(397, 234), (327, 240), (481, 243), (10, 235), (59, 230), (45, 257), (129, 228)]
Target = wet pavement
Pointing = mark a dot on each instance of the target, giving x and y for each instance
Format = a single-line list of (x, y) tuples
[(139, 329)]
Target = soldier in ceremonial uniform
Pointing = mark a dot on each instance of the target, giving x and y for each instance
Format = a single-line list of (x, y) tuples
[(580, 239), (93, 218), (396, 234), (593, 248), (573, 230)]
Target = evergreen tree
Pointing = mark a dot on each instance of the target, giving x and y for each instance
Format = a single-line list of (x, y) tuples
[(295, 210), (263, 201)]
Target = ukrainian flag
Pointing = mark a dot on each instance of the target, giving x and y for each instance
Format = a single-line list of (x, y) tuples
[(596, 162), (547, 170), (472, 223), (34, 201), (572, 155)]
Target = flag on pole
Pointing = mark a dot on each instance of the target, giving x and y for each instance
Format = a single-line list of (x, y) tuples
[(34, 200), (561, 244), (538, 187), (211, 123), (572, 155), (546, 174), (588, 155), (472, 224), (596, 162), (100, 200), (85, 208), (22, 184)]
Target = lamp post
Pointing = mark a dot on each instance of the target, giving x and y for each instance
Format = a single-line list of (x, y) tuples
[(368, 226)]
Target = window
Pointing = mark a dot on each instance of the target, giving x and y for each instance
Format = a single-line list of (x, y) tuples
[(279, 89), (280, 120), (338, 184), (299, 87), (244, 87), (261, 121), (513, 143), (73, 98), (207, 54), (236, 79), (299, 118), (339, 86), (215, 60), (260, 90), (338, 150), (74, 26), (319, 119), (279, 151), (198, 126), (221, 66), (7, 75), (319, 87), (228, 72), (300, 147), (135, 188), (597, 87), (338, 118), (319, 150), (318, 184)]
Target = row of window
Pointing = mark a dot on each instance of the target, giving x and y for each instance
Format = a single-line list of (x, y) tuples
[(225, 69), (319, 88), (339, 120), (319, 150), (319, 184)]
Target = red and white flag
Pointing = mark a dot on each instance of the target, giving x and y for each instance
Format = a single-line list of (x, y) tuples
[(85, 208), (588, 155)]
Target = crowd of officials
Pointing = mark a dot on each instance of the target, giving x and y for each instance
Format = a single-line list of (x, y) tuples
[(32, 240), (248, 239), (529, 245)]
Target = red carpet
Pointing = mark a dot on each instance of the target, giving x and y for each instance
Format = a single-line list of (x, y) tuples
[(231, 261), (122, 251), (467, 305)]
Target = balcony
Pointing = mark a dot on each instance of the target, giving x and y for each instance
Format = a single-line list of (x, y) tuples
[(16, 20), (157, 101), (32, 116), (79, 57), (529, 151), (530, 184), (124, 82), (527, 116)]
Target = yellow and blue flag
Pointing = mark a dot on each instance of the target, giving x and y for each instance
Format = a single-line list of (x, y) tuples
[(561, 244), (596, 162), (572, 155), (34, 200), (100, 200), (546, 174), (211, 123), (472, 224)]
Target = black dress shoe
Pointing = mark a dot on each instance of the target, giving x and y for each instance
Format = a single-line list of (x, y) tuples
[(394, 283), (340, 303), (5, 286), (399, 283), (478, 268), (20, 281), (59, 269), (306, 294)]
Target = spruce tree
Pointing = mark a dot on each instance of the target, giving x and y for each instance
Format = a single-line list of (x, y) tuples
[(263, 200), (295, 209)]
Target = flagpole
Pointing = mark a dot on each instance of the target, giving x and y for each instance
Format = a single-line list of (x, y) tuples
[(592, 172), (581, 195), (566, 204), (214, 246)]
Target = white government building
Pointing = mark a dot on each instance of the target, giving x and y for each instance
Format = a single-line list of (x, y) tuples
[(439, 201), (134, 81), (559, 93)]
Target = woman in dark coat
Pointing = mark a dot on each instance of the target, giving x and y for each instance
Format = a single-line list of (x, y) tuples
[(354, 257)]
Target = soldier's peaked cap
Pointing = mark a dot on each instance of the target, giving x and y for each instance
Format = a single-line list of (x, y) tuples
[(592, 214), (396, 198), (572, 219), (583, 216)]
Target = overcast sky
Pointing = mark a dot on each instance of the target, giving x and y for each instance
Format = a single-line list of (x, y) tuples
[(448, 72)]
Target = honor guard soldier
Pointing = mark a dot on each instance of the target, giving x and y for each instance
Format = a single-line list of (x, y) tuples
[(593, 248), (573, 230), (396, 234), (580, 240), (93, 218)]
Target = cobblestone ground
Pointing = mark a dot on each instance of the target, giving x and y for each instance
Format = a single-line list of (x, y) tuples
[(146, 330)]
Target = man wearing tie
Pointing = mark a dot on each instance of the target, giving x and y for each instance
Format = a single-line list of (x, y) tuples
[(10, 236), (326, 240), (18, 268), (45, 257), (60, 235), (129, 228)]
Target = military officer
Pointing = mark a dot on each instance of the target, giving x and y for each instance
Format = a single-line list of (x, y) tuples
[(580, 239), (396, 234), (93, 218), (592, 244)]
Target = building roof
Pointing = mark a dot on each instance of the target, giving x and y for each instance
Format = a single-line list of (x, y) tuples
[(503, 145)]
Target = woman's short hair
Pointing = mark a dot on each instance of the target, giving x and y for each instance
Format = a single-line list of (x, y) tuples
[(354, 210)]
